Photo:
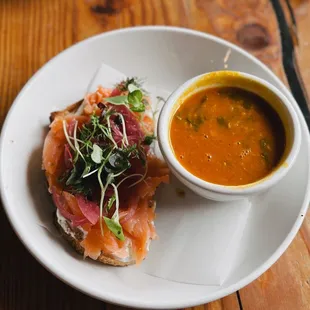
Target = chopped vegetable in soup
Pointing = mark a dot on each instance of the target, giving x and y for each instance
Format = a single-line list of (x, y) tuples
[(227, 136)]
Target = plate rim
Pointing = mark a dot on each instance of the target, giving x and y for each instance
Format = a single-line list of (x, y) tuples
[(113, 298)]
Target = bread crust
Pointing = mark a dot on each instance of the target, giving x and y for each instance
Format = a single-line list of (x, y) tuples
[(75, 243), (70, 109)]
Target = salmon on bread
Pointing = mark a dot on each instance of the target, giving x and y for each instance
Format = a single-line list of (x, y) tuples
[(102, 174)]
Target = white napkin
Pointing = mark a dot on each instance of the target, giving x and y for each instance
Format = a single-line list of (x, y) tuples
[(198, 238), (106, 77)]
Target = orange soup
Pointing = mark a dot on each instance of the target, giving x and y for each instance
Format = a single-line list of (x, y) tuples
[(227, 136)]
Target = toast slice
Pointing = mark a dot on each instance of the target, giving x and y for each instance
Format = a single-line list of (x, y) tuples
[(75, 235), (123, 237)]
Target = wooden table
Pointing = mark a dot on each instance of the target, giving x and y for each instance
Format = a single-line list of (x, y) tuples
[(33, 31)]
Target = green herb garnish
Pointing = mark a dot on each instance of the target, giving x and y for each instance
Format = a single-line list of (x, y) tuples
[(111, 202), (222, 121), (113, 223), (117, 100), (195, 122), (115, 228), (148, 140), (134, 99)]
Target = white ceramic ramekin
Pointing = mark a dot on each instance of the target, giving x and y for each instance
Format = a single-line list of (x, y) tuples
[(248, 82)]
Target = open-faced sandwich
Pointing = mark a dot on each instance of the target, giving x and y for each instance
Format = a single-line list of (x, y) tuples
[(102, 173)]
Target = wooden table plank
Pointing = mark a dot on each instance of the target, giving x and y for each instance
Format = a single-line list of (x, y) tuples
[(34, 31), (301, 10), (285, 286), (302, 49)]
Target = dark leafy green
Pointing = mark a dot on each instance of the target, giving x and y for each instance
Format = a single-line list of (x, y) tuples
[(96, 154), (117, 162), (111, 202), (195, 122), (222, 121), (148, 140)]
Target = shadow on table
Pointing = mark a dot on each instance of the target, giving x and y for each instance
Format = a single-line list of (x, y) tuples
[(25, 284)]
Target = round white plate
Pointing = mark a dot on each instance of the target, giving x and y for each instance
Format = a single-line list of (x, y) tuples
[(167, 57)]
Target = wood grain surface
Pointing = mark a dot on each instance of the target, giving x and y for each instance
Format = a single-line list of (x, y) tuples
[(33, 31)]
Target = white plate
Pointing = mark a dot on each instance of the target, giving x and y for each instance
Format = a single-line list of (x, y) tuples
[(167, 57)]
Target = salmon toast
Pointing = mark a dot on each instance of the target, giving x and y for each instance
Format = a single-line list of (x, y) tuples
[(102, 174)]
